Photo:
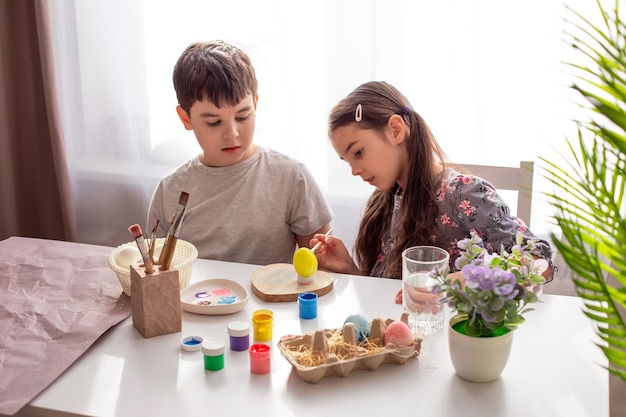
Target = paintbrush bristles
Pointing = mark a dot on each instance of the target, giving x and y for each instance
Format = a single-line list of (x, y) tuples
[(153, 241), (135, 231), (184, 197), (172, 236)]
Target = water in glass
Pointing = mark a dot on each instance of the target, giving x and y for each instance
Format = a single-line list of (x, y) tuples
[(427, 316)]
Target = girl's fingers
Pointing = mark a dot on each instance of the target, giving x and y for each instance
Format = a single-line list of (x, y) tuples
[(421, 300), (399, 297)]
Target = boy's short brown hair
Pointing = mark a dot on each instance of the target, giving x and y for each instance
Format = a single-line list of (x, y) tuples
[(216, 71)]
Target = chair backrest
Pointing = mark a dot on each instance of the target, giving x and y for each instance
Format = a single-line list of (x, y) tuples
[(518, 179)]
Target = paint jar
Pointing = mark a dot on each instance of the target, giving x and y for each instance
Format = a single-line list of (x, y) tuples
[(260, 358), (191, 343), (213, 351), (307, 304), (262, 322), (239, 333)]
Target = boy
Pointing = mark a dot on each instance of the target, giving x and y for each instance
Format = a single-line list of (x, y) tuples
[(246, 203)]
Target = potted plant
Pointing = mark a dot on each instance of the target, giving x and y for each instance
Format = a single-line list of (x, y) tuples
[(489, 305), (589, 186)]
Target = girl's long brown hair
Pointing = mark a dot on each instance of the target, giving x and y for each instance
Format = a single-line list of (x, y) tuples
[(379, 101)]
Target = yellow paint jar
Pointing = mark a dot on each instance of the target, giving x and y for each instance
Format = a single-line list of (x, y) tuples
[(262, 323)]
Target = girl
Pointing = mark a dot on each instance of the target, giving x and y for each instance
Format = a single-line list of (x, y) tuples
[(418, 200)]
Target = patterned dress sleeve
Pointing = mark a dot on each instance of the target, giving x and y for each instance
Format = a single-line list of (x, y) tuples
[(468, 203)]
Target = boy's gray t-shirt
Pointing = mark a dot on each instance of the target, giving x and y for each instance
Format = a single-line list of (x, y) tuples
[(247, 212)]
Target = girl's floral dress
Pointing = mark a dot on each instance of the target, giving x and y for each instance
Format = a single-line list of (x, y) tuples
[(466, 203)]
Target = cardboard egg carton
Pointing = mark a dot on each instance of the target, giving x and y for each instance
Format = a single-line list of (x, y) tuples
[(345, 357)]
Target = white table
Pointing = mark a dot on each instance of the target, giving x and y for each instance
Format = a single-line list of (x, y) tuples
[(554, 368)]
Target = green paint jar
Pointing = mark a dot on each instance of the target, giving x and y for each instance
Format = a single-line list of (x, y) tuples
[(213, 351)]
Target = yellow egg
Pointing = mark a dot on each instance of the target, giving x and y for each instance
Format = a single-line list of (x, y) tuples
[(305, 262)]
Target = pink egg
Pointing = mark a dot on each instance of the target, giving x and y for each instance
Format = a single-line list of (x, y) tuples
[(399, 334)]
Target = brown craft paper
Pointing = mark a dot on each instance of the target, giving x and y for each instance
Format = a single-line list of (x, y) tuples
[(57, 298), (155, 302)]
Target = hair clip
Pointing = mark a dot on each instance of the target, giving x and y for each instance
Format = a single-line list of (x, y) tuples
[(358, 115), (407, 109)]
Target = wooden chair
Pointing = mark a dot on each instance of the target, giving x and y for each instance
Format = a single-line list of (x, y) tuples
[(519, 179)]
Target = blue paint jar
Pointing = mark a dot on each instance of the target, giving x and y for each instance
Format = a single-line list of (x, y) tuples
[(307, 304)]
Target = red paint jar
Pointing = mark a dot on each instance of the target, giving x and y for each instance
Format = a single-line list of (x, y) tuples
[(259, 358)]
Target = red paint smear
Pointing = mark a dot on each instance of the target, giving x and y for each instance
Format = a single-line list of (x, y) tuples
[(220, 292)]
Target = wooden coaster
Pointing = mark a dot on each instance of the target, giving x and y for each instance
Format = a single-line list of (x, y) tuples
[(279, 282)]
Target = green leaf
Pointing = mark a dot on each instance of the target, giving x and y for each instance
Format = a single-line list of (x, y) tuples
[(589, 184)]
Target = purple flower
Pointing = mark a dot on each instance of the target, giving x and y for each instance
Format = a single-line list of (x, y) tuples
[(504, 281), (466, 243), (493, 296), (518, 249), (457, 262), (478, 277), (512, 295), (489, 257)]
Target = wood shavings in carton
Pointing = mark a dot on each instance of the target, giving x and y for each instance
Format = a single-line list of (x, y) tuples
[(336, 352)]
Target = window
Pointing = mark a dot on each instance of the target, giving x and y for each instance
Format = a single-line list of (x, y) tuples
[(487, 76)]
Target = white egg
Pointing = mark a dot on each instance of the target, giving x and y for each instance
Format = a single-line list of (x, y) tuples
[(127, 256)]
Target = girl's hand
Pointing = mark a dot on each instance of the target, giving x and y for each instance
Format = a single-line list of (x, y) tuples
[(399, 297), (421, 300), (332, 255), (424, 297)]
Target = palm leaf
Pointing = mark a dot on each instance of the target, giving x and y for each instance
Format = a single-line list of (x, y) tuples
[(589, 188)]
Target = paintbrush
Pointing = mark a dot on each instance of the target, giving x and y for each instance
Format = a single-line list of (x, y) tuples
[(318, 244), (153, 241), (167, 253), (135, 230)]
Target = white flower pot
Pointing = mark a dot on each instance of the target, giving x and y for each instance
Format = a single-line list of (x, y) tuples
[(478, 359)]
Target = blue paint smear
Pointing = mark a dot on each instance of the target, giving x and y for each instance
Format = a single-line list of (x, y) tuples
[(227, 299)]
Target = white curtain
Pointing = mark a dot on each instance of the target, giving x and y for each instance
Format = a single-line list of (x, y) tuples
[(487, 75)]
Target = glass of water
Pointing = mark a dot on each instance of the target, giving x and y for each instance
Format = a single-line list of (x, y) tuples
[(422, 266)]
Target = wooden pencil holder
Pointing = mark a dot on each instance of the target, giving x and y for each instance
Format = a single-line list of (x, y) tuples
[(155, 301)]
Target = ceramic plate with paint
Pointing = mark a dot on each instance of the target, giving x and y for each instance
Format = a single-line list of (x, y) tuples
[(213, 297)]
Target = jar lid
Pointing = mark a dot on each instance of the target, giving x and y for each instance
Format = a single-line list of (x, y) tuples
[(191, 343), (213, 347), (238, 328)]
